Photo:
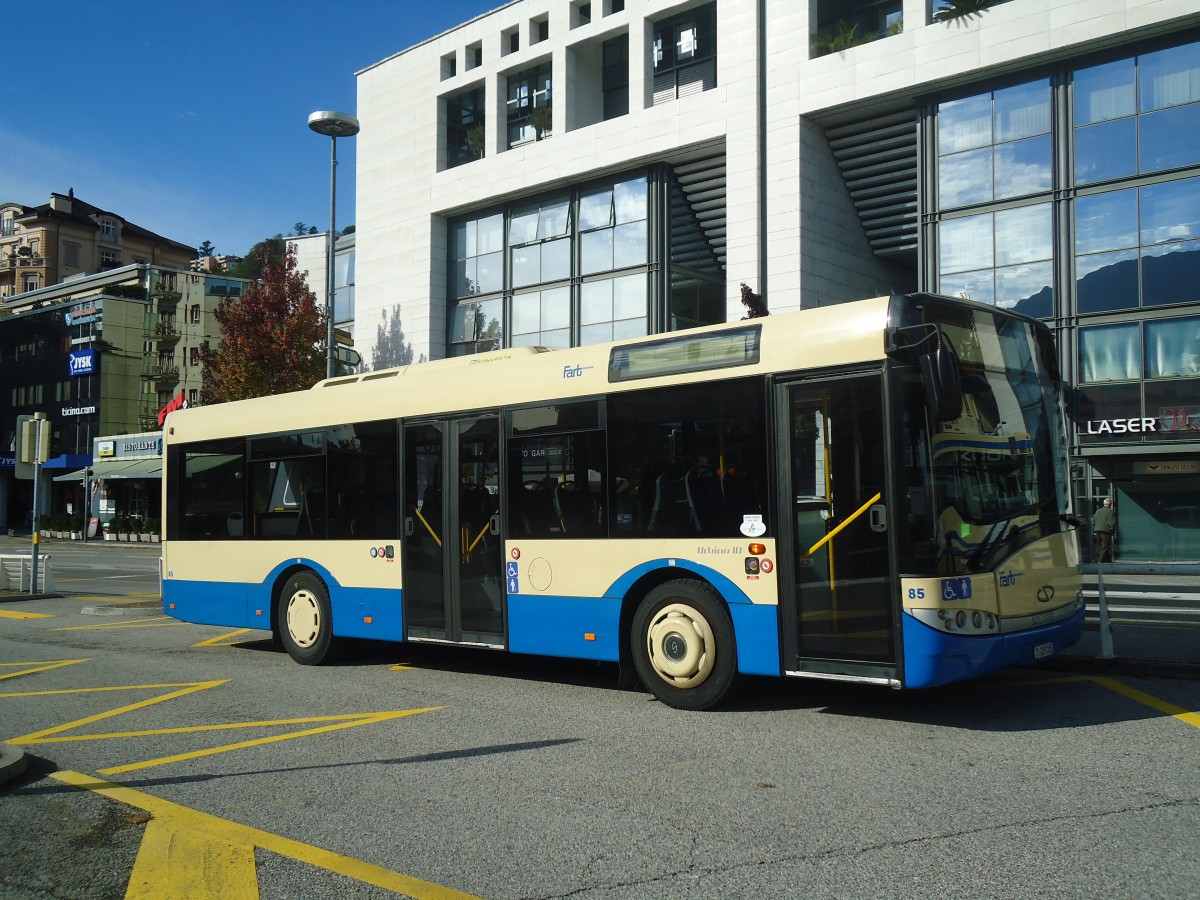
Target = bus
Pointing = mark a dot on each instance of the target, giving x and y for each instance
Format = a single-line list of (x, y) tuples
[(874, 492)]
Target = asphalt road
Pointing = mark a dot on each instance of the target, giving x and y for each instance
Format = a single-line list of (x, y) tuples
[(206, 761)]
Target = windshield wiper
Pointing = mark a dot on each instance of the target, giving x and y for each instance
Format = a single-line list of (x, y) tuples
[(999, 534)]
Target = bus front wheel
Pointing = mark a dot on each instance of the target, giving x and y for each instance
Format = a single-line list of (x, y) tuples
[(683, 645), (305, 621)]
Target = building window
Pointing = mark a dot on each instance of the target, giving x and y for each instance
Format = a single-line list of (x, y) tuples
[(30, 282), (108, 231), (994, 146), (465, 124), (528, 91), (685, 54), (615, 76), (71, 254), (195, 355), (109, 259), (1138, 247), (194, 314), (542, 296), (1003, 258)]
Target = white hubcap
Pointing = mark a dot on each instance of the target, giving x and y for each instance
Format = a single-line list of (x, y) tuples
[(304, 618), (681, 645)]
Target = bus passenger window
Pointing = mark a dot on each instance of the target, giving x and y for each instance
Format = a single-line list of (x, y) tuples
[(557, 485), (212, 492)]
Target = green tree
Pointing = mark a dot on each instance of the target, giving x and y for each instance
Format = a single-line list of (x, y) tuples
[(390, 349), (251, 264), (206, 249), (272, 337)]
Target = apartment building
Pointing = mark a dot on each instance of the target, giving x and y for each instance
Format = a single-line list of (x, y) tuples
[(101, 355), (560, 172), (44, 245)]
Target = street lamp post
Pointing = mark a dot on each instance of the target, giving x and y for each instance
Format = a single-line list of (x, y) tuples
[(336, 125)]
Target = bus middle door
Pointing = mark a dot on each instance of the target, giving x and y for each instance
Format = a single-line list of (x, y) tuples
[(452, 556)]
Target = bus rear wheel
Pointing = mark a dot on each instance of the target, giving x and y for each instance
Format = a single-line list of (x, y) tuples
[(305, 621), (683, 645)]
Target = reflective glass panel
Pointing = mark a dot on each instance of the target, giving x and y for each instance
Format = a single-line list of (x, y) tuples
[(526, 313), (1171, 273), (1104, 92), (1169, 138), (978, 286), (1109, 353), (629, 297), (490, 273), (526, 265), (522, 227), (966, 243), (1173, 348), (1107, 281), (554, 219), (1104, 151), (629, 244), (1023, 167), (490, 234), (1169, 77), (1171, 211), (595, 209), (965, 178), (596, 251), (965, 124), (1027, 289), (595, 302), (556, 259), (1022, 111), (1023, 234), (630, 200), (556, 308), (1106, 221)]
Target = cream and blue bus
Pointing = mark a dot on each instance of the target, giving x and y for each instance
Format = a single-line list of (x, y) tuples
[(874, 492)]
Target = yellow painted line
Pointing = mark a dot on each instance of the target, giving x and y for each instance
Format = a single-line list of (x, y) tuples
[(367, 719), (186, 688), (152, 622), (5, 614), (189, 854), (41, 666), (1176, 712), (219, 640)]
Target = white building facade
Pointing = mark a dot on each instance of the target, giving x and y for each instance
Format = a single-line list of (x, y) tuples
[(559, 172)]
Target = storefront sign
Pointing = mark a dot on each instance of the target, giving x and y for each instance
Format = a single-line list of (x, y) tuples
[(1166, 468), (1173, 420), (154, 444), (106, 448), (78, 410), (82, 362)]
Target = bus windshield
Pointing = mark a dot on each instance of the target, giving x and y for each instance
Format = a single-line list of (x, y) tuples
[(985, 484)]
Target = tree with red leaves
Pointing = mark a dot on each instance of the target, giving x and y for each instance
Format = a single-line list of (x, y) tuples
[(272, 337)]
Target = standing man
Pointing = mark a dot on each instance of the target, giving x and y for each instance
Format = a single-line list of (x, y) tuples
[(1104, 525)]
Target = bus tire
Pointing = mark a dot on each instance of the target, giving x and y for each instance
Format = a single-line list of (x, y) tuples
[(683, 645), (305, 620)]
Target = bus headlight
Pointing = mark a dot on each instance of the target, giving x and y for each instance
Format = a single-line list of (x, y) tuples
[(959, 621)]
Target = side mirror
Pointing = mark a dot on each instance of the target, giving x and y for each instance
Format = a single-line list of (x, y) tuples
[(943, 383)]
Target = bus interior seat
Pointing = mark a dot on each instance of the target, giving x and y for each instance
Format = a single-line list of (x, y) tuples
[(573, 505), (313, 511), (706, 503), (670, 513), (538, 516)]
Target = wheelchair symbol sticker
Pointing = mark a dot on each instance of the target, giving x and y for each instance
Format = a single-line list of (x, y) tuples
[(956, 588)]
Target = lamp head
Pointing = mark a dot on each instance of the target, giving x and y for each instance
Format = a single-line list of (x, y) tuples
[(333, 124)]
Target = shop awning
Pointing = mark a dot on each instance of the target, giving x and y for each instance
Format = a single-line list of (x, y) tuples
[(118, 468)]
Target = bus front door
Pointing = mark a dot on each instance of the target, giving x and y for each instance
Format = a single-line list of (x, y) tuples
[(837, 596), (452, 548)]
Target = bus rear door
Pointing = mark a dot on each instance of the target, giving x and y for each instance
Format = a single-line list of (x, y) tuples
[(839, 612)]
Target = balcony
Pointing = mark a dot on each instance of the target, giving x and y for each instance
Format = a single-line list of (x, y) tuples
[(161, 374), (23, 262), (163, 332), (165, 289)]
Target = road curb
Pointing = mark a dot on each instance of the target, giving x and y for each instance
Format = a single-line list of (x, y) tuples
[(12, 762)]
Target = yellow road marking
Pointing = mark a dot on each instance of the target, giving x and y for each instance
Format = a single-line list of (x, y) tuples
[(190, 854), (5, 614), (186, 688), (41, 666), (1162, 706), (219, 640), (152, 622), (365, 719)]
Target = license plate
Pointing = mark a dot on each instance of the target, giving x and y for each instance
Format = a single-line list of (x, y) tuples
[(1041, 651)]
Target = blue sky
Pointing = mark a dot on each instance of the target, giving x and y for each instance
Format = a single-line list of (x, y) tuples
[(190, 119)]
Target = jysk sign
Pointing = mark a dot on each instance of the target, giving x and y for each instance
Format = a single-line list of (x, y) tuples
[(83, 362)]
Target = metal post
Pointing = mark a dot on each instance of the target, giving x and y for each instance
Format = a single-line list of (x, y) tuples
[(329, 334), (1106, 640), (38, 420)]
